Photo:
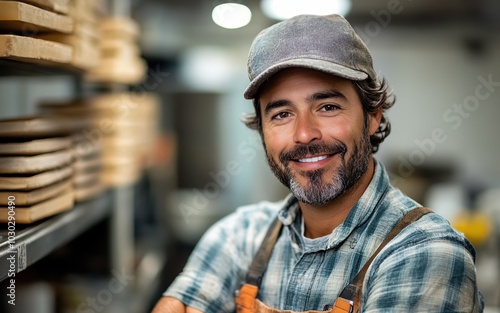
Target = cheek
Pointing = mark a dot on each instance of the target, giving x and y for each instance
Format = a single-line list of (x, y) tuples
[(344, 130), (276, 141)]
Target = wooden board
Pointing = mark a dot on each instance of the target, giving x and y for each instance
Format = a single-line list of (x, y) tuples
[(126, 132), (30, 214), (86, 150), (129, 161), (67, 39), (87, 145), (81, 32), (35, 164), (114, 141), (58, 6), (122, 155), (87, 31), (87, 192), (35, 127), (123, 28), (86, 53), (84, 11), (99, 6), (85, 166), (32, 147), (86, 56), (25, 198), (34, 50), (25, 18), (117, 106), (120, 71), (77, 108), (123, 104), (86, 179), (112, 48), (35, 181), (136, 128)]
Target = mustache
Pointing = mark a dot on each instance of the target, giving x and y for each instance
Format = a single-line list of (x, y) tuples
[(302, 151)]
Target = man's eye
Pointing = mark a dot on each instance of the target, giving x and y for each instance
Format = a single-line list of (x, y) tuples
[(281, 115), (329, 107)]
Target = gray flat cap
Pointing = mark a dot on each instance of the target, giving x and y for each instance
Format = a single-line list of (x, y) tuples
[(324, 43)]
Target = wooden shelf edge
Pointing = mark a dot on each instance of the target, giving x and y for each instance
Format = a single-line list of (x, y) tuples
[(9, 68)]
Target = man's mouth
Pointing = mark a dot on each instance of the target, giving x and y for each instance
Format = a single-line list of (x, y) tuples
[(313, 159), (311, 156)]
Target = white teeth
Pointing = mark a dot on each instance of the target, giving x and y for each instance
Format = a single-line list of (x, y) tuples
[(315, 159)]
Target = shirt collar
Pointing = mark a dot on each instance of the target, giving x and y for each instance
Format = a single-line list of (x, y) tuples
[(361, 211)]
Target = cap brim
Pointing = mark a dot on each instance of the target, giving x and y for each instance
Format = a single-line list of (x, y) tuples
[(320, 65)]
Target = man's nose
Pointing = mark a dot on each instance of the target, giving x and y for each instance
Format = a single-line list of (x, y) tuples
[(306, 129)]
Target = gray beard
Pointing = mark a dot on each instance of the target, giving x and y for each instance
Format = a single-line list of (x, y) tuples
[(318, 192)]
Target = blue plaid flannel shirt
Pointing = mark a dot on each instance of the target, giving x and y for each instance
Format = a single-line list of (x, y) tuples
[(428, 267)]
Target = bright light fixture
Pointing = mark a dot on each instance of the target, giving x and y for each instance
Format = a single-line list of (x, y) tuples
[(284, 9), (231, 15)]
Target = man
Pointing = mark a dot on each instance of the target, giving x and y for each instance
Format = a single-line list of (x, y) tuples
[(345, 240)]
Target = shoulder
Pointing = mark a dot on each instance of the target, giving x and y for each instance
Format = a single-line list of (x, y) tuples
[(430, 227), (428, 265), (430, 230), (427, 233)]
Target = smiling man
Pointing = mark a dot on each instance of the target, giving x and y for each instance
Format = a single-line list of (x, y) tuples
[(345, 240)]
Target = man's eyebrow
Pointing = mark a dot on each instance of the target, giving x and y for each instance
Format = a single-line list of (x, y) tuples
[(274, 105), (328, 94)]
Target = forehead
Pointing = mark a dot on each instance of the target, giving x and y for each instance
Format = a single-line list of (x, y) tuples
[(288, 79)]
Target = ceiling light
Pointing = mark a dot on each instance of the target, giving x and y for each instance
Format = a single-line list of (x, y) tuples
[(231, 15), (284, 9)]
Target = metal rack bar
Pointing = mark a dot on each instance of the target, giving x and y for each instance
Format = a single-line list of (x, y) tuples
[(122, 229)]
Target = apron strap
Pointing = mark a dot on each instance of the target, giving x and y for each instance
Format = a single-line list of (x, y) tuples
[(259, 263), (246, 296), (350, 297)]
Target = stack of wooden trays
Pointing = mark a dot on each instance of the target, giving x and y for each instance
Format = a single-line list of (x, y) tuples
[(132, 131), (120, 54), (86, 148), (87, 178), (35, 168), (124, 126), (84, 39), (22, 21)]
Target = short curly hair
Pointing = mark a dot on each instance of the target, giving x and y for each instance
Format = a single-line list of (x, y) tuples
[(373, 94)]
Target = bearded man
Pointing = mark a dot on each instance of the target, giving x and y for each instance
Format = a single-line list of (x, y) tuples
[(344, 240)]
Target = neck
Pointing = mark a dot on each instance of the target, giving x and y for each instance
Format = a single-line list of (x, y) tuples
[(320, 221)]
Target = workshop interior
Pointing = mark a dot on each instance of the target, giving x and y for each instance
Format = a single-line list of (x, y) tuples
[(122, 142)]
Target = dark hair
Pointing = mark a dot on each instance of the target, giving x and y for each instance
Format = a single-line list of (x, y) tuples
[(373, 94)]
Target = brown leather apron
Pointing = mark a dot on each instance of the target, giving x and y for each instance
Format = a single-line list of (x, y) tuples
[(349, 299)]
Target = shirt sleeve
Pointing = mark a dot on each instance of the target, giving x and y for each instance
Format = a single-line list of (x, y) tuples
[(431, 276), (218, 264)]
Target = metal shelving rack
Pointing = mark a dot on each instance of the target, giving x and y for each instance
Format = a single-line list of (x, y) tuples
[(33, 242)]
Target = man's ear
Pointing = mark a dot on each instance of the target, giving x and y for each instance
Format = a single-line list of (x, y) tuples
[(374, 121)]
